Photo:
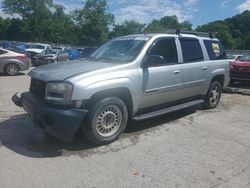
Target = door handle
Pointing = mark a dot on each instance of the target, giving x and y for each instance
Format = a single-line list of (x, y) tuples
[(177, 72), (204, 68)]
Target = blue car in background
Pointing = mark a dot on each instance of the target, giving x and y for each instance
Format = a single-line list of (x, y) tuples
[(23, 46), (73, 54), (6, 44)]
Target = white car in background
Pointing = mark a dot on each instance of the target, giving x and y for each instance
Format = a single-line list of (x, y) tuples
[(38, 48)]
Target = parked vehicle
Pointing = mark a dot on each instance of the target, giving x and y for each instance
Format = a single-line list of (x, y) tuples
[(50, 56), (20, 51), (6, 44), (23, 46), (132, 77), (240, 69), (38, 48), (233, 57), (74, 54), (59, 48), (86, 51), (11, 62)]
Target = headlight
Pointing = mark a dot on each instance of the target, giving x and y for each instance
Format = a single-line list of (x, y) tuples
[(59, 92)]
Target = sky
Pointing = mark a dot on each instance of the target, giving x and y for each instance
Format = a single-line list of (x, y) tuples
[(198, 12)]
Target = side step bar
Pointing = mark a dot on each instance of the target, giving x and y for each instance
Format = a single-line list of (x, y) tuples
[(166, 110)]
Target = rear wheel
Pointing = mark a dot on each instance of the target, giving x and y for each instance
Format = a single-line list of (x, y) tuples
[(213, 96), (106, 121), (11, 69)]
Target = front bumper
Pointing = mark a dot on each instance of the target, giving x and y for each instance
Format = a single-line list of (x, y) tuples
[(60, 123), (244, 76)]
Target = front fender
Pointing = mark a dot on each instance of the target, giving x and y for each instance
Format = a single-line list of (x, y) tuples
[(87, 92)]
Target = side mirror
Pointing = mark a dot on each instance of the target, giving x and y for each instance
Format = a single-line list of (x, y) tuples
[(153, 60)]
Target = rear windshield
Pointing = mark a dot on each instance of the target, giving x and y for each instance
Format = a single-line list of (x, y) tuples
[(215, 50)]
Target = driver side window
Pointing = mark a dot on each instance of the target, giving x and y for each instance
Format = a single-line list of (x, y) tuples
[(166, 48)]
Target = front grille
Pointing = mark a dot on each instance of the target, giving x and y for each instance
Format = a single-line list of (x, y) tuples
[(37, 87), (241, 68), (240, 75)]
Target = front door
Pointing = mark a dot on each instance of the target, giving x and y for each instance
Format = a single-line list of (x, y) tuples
[(161, 83)]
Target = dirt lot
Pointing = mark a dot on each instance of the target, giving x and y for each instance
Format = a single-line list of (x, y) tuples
[(189, 148)]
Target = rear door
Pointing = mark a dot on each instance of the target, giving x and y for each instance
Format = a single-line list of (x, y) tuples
[(194, 67)]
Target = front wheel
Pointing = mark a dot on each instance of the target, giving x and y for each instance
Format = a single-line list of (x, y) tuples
[(11, 69), (213, 96), (106, 121)]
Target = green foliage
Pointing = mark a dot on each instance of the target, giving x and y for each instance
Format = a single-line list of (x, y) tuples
[(127, 28), (233, 32), (167, 22), (221, 31), (93, 22)]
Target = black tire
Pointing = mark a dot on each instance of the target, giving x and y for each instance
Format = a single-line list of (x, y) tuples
[(106, 121), (11, 69), (213, 96)]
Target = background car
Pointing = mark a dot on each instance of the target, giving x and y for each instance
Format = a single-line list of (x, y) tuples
[(86, 51), (38, 48), (6, 44), (233, 57), (20, 51), (50, 56), (240, 68), (74, 54), (23, 46), (11, 62)]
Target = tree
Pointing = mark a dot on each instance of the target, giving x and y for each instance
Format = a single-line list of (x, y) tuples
[(240, 23), (93, 22), (167, 22), (127, 28), (26, 8), (221, 31)]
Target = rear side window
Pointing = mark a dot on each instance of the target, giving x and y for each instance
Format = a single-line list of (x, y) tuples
[(191, 50), (215, 50)]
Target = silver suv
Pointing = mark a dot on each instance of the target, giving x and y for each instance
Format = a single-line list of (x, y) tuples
[(132, 77)]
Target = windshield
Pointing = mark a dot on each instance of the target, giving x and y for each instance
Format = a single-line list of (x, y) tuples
[(49, 52), (120, 50), (245, 58), (41, 47)]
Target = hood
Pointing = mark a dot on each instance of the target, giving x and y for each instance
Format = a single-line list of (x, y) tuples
[(241, 63), (62, 71), (34, 50), (45, 55)]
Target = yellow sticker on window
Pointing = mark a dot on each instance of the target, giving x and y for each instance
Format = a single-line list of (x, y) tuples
[(216, 47)]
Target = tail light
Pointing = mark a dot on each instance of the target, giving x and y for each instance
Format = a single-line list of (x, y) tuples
[(22, 58)]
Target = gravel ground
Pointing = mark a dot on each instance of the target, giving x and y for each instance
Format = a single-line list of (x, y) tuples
[(189, 148)]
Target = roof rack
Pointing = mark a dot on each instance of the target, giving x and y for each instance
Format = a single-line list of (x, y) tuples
[(200, 34)]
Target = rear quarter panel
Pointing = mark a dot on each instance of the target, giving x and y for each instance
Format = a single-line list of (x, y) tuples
[(216, 68)]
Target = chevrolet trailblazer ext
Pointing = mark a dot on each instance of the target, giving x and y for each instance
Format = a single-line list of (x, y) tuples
[(138, 77)]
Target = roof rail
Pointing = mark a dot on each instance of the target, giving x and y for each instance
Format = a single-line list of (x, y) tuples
[(200, 34)]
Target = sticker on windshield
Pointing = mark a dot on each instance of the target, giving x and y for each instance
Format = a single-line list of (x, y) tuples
[(216, 48)]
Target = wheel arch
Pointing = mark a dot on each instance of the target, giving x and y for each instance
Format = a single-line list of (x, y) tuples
[(122, 93), (220, 78)]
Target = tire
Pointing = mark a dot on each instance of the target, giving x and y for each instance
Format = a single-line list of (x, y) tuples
[(213, 96), (11, 69), (106, 121)]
